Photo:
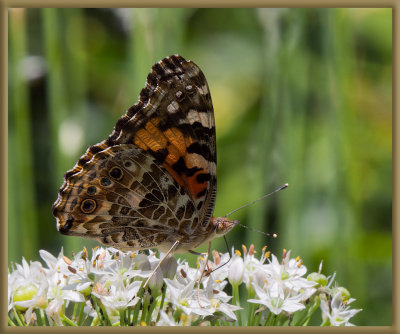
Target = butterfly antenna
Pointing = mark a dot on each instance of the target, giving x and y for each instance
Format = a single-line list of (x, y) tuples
[(273, 235), (259, 199)]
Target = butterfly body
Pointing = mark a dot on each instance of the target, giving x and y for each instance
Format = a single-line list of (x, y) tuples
[(153, 181)]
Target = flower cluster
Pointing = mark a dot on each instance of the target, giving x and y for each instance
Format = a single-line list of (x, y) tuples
[(108, 289)]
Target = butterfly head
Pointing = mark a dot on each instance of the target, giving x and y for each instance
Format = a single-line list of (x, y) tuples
[(222, 225)]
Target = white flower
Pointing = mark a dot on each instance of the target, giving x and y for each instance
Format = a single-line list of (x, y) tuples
[(289, 274), (50, 260), (183, 297), (119, 296), (183, 293), (280, 287), (221, 265), (337, 312), (115, 278), (56, 290), (218, 300), (253, 267), (54, 310), (166, 320), (278, 300), (27, 288), (123, 264)]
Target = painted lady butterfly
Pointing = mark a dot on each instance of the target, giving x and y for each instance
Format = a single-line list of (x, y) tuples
[(152, 183)]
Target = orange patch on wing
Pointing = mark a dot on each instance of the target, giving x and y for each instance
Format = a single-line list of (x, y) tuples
[(176, 137), (190, 183), (194, 186), (173, 155), (174, 174), (177, 147), (151, 137), (139, 141)]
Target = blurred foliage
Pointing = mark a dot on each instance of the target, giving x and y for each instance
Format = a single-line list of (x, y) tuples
[(302, 96)]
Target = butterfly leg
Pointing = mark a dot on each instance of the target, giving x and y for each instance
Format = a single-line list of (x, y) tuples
[(202, 273), (173, 247)]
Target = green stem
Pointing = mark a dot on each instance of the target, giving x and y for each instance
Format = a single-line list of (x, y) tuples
[(251, 307), (18, 318), (74, 311), (39, 321), (67, 321), (63, 307), (177, 315), (235, 301), (281, 319), (257, 320), (122, 317), (162, 302), (151, 310), (326, 322), (105, 315), (10, 322), (145, 309), (45, 322), (80, 314), (94, 322), (97, 309), (129, 312), (268, 321), (138, 306), (311, 311)]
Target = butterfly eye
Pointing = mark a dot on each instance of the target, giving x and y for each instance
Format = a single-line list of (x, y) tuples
[(116, 173), (88, 206)]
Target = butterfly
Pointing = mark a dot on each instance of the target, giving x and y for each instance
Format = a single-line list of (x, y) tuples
[(152, 183)]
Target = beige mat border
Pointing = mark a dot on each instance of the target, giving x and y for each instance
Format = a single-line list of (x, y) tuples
[(4, 5)]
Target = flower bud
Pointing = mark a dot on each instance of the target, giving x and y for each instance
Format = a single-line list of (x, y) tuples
[(344, 292), (236, 271), (318, 278), (156, 282), (24, 293), (169, 267)]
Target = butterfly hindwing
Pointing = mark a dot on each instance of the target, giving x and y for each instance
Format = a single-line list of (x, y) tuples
[(125, 199)]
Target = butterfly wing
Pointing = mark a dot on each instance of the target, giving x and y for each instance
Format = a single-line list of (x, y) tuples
[(124, 198), (174, 121), (164, 151)]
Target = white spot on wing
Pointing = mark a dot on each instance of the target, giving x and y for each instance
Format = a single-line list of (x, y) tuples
[(201, 117), (173, 107), (203, 90)]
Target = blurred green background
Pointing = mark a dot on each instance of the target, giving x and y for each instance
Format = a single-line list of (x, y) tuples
[(302, 96)]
